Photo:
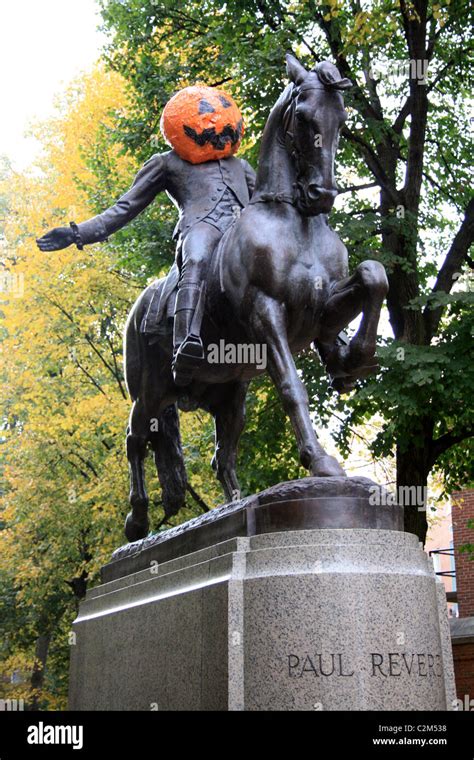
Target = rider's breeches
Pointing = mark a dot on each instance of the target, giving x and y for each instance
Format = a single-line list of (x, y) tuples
[(196, 251)]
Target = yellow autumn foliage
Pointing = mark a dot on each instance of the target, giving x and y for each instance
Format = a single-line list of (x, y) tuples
[(63, 456)]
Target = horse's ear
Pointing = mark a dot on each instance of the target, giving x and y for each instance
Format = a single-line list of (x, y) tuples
[(330, 76), (295, 70)]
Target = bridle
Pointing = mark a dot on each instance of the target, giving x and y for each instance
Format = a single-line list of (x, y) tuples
[(288, 122), (289, 128)]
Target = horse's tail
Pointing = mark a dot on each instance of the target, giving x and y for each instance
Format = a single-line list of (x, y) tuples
[(169, 459), (134, 348)]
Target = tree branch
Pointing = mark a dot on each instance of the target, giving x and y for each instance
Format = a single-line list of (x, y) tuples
[(373, 163), (441, 190), (452, 264), (197, 498), (91, 344), (355, 188), (399, 122), (92, 379), (414, 24), (440, 74), (442, 444)]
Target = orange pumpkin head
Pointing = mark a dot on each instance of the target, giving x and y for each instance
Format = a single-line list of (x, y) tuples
[(202, 124)]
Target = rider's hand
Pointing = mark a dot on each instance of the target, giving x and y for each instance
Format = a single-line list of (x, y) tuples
[(55, 239)]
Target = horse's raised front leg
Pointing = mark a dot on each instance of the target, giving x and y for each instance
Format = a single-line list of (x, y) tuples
[(268, 326), (229, 418), (363, 292), (136, 524)]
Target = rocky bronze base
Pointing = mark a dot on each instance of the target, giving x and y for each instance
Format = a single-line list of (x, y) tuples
[(305, 504)]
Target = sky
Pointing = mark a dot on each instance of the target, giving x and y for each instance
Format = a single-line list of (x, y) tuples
[(44, 44)]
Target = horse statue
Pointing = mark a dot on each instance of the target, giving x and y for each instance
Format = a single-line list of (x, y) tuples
[(279, 279)]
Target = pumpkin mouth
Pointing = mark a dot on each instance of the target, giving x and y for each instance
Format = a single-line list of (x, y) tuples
[(218, 140), (202, 124)]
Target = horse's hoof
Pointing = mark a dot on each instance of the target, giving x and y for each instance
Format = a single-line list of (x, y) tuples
[(136, 529), (182, 379), (171, 506), (347, 383), (343, 385), (327, 467)]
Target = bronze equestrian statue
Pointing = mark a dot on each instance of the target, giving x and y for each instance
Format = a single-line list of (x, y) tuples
[(278, 277)]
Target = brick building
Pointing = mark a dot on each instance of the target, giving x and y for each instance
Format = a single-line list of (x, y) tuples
[(462, 628), (440, 546), (462, 518)]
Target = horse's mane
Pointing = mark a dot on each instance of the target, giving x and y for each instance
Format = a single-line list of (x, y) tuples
[(283, 101)]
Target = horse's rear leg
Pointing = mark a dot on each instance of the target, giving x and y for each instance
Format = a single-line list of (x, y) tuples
[(364, 291), (138, 432), (268, 326), (229, 418), (169, 460)]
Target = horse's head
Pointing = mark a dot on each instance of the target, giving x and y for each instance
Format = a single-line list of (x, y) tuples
[(311, 124)]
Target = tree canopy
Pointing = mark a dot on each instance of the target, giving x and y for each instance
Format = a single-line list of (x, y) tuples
[(403, 169)]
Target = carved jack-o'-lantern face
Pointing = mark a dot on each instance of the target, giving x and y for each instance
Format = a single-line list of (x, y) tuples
[(202, 124)]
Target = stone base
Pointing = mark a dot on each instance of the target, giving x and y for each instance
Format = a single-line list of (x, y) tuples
[(330, 619)]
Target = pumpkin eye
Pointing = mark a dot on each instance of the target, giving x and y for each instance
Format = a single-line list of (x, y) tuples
[(205, 106)]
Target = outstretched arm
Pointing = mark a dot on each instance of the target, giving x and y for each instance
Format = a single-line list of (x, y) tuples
[(150, 180)]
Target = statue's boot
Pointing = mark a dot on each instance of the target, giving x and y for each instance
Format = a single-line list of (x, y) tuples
[(188, 350)]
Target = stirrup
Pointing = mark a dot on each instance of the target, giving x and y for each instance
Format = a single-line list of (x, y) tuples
[(187, 358)]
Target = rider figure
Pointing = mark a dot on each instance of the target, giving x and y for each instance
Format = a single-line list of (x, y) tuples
[(208, 196)]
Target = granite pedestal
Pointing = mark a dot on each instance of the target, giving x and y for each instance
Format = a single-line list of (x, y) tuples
[(308, 619)]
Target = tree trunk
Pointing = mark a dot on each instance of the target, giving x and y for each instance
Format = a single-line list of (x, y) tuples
[(412, 473), (37, 676)]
